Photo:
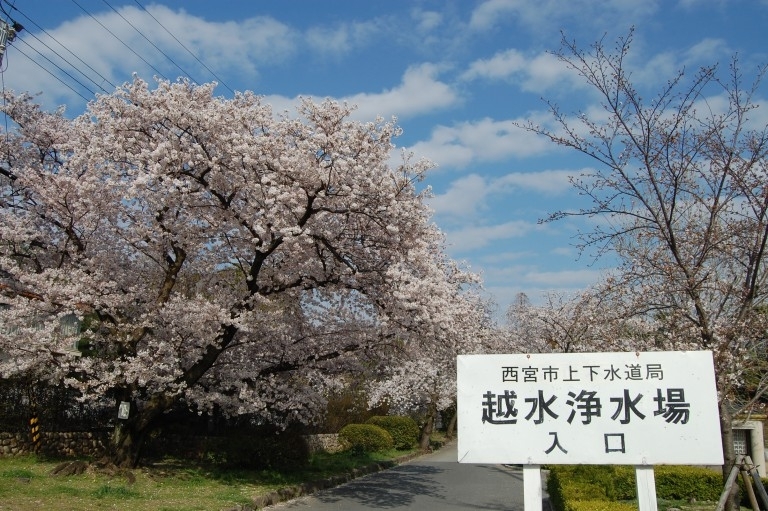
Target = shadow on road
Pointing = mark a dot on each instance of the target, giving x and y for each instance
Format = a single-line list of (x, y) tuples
[(391, 489), (425, 484)]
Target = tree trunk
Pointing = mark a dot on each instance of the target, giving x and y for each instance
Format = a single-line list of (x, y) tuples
[(129, 434), (124, 446), (729, 455), (450, 432), (429, 427)]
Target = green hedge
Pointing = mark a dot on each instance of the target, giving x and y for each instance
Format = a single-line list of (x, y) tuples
[(578, 487), (403, 430), (600, 505), (683, 483), (366, 437)]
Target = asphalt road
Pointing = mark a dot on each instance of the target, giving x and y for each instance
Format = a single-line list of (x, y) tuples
[(432, 482)]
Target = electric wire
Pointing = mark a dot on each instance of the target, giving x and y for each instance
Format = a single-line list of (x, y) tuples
[(187, 49), (30, 20), (53, 75), (85, 75), (6, 133), (159, 73), (183, 72), (62, 58)]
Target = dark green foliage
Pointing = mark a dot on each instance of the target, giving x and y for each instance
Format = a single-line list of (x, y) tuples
[(594, 482), (555, 488), (403, 430), (683, 483), (366, 437), (601, 505), (349, 406), (743, 491), (568, 485), (261, 450)]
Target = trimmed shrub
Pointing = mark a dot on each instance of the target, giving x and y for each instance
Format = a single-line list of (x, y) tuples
[(579, 487), (600, 505), (366, 437), (403, 430), (683, 483)]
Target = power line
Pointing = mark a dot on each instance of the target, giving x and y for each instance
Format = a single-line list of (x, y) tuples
[(147, 39), (65, 60), (121, 41), (81, 84), (183, 46), (105, 79), (52, 74)]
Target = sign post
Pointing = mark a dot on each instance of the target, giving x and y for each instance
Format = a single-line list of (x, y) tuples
[(638, 408)]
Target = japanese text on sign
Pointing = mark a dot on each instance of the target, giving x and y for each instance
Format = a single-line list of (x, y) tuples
[(641, 408)]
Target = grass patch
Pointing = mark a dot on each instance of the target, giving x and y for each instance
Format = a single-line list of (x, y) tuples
[(171, 485), (17, 473), (108, 491)]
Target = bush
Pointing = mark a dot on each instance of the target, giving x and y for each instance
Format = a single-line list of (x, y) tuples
[(600, 505), (348, 406), (683, 483), (266, 450), (579, 487), (403, 430), (592, 482), (366, 437)]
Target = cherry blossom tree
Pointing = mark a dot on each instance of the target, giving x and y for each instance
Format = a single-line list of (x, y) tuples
[(590, 321), (424, 379), (217, 254), (680, 185)]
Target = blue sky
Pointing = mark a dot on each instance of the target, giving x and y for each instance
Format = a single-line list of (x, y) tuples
[(456, 73)]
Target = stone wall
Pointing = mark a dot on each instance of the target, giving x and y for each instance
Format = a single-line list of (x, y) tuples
[(93, 444), (55, 443), (324, 443)]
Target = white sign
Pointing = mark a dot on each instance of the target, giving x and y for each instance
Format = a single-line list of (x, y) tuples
[(124, 410), (646, 408)]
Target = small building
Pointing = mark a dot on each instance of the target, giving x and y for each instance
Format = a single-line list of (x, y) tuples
[(748, 440)]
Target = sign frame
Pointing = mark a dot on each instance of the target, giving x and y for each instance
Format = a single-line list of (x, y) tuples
[(567, 408)]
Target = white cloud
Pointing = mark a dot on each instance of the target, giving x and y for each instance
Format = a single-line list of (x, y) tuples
[(484, 140), (546, 182), (564, 251), (469, 194), (506, 283), (426, 21), (533, 74), (342, 38), (244, 46), (475, 237), (419, 92), (501, 65), (563, 278), (464, 197), (545, 14), (488, 13)]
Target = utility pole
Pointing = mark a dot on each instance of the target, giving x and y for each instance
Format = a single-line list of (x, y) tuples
[(7, 34)]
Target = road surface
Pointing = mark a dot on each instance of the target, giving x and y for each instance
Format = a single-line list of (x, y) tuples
[(428, 483)]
